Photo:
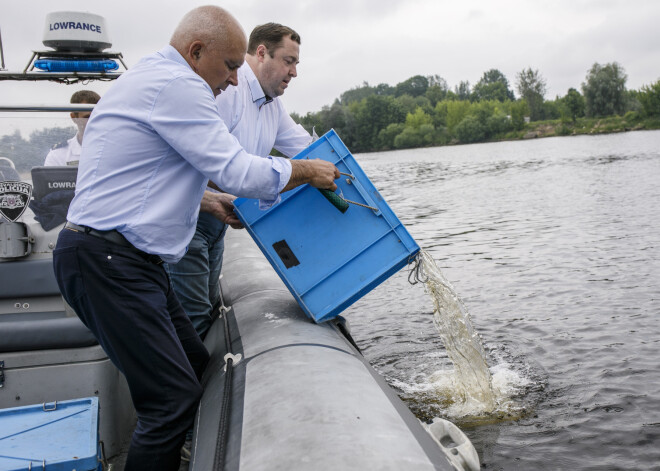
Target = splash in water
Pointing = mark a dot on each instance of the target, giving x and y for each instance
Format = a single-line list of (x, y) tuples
[(471, 382)]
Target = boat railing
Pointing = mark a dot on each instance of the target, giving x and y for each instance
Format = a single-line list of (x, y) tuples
[(47, 108)]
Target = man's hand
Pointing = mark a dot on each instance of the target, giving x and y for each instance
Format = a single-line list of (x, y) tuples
[(221, 206), (318, 173)]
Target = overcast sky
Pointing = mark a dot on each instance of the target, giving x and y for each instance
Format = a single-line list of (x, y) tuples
[(348, 42)]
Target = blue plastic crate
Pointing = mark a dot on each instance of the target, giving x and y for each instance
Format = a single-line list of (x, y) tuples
[(54, 436), (329, 259)]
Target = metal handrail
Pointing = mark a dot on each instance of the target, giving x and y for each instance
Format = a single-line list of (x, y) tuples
[(48, 108)]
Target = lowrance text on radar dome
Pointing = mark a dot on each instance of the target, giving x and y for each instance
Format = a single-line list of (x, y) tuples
[(74, 25)]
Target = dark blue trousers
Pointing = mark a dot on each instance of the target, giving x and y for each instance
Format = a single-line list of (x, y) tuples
[(128, 304)]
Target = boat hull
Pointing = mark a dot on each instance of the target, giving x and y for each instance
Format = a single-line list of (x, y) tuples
[(301, 394)]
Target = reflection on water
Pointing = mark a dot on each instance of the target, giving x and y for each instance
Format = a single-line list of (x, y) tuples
[(554, 246)]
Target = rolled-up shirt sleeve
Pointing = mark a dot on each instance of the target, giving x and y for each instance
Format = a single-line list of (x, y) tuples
[(186, 117), (292, 138)]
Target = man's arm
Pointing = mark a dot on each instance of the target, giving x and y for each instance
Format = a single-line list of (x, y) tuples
[(318, 173), (291, 137), (221, 206)]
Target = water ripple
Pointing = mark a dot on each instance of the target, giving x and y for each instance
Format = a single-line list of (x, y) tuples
[(554, 246)]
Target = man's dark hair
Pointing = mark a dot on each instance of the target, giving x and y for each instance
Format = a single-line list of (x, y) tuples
[(85, 96), (270, 35)]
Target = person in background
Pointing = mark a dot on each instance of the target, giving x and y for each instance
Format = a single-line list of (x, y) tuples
[(255, 115), (153, 142), (68, 153)]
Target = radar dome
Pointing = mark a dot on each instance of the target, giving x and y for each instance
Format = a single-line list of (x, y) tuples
[(76, 31)]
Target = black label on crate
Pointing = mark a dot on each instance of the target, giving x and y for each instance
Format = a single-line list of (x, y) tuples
[(286, 254)]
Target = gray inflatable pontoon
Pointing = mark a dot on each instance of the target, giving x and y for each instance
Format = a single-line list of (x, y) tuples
[(282, 392)]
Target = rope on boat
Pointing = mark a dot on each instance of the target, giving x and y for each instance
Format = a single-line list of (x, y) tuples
[(223, 425)]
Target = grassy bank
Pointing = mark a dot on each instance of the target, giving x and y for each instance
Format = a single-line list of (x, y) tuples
[(630, 122)]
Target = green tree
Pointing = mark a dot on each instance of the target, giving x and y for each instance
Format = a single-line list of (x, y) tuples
[(631, 101), (492, 86), (386, 136), (532, 87), (649, 97), (424, 103), (462, 91), (456, 111), (573, 105), (498, 124), (418, 118), (383, 89), (437, 90), (483, 110), (409, 138), (407, 103), (435, 94), (491, 116), (371, 115), (518, 113), (423, 136), (604, 90), (439, 114), (417, 132), (552, 109), (310, 121), (356, 94), (470, 130), (437, 81), (414, 86)]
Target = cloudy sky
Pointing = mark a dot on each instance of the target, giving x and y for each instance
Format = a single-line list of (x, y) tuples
[(348, 42)]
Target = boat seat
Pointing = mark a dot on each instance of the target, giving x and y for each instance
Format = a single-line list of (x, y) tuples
[(44, 334), (40, 273), (36, 331)]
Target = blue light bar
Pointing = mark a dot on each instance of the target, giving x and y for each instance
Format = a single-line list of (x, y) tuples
[(61, 65)]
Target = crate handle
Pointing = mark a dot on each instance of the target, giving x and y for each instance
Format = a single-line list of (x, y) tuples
[(49, 409), (336, 200)]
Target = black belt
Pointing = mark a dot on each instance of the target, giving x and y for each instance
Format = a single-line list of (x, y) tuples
[(115, 237)]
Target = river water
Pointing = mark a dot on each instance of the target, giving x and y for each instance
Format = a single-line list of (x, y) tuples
[(554, 247)]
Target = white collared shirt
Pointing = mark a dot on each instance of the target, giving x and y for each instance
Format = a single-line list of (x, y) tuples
[(260, 124), (62, 155)]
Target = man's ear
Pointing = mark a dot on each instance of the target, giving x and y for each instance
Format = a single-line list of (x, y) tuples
[(261, 52), (195, 50)]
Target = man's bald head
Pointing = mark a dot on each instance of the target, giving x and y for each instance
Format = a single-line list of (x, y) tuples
[(213, 25), (213, 43)]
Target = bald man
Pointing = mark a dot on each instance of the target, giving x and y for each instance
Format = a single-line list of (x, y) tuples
[(151, 144)]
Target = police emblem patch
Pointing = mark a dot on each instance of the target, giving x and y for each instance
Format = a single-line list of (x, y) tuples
[(14, 199)]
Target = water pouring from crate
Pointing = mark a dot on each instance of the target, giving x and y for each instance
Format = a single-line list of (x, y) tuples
[(331, 248)]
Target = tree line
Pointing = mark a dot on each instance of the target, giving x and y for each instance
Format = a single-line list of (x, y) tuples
[(424, 111)]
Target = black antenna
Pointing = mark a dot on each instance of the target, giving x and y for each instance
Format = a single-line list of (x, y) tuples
[(2, 54)]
